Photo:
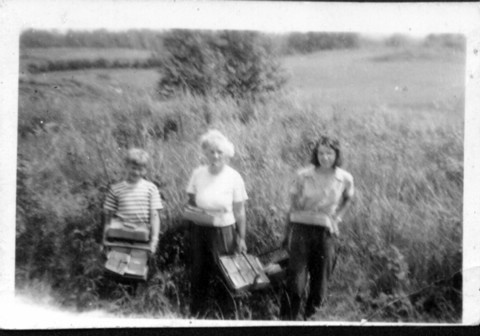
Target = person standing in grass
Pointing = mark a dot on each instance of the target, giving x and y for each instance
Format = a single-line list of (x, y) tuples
[(320, 196), (217, 190), (135, 200)]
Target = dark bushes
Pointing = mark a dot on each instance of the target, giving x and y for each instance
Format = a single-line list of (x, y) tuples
[(227, 63), (99, 63), (310, 42), (100, 38), (452, 41)]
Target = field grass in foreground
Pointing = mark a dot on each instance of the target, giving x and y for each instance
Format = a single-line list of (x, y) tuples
[(402, 234)]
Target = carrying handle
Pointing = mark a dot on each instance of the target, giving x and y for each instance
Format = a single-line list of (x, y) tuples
[(124, 223), (129, 225), (256, 280)]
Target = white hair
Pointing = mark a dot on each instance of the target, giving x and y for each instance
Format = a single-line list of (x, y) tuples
[(214, 138)]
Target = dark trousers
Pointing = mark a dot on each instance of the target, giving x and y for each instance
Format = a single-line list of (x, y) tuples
[(311, 252), (207, 243)]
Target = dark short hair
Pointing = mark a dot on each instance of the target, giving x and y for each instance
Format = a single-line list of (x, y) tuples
[(329, 142)]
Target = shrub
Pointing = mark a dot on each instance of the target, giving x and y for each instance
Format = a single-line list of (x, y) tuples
[(310, 42), (98, 63), (399, 41), (236, 64), (100, 38), (451, 41)]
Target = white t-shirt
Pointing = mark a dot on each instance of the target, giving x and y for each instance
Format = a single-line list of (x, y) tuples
[(216, 193)]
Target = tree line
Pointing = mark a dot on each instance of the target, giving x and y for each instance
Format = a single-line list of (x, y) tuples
[(294, 42), (100, 38), (153, 40)]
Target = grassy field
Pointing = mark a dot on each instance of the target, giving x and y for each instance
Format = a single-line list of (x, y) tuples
[(379, 76), (358, 78), (398, 114)]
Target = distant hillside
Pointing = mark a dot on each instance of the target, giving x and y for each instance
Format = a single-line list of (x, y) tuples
[(290, 43), (47, 51), (130, 39)]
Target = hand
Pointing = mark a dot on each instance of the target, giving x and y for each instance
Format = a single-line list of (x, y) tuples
[(241, 245), (334, 229), (153, 247), (102, 245), (104, 250)]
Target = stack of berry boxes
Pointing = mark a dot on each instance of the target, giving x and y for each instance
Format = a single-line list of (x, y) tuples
[(127, 249)]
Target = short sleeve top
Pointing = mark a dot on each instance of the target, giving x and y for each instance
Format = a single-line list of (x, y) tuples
[(133, 201), (216, 193), (319, 192)]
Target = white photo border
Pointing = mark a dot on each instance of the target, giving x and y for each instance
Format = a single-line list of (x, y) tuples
[(405, 18)]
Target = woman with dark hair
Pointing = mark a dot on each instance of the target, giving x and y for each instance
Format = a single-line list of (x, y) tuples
[(320, 196)]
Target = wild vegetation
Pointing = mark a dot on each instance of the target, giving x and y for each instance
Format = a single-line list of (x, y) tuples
[(216, 53), (400, 248), (145, 39), (226, 63), (101, 38), (305, 43)]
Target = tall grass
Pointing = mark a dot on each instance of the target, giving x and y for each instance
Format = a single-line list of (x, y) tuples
[(402, 234)]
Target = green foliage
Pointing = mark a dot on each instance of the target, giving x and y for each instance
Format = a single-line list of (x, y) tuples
[(227, 63), (99, 63), (399, 241), (304, 43), (399, 40), (100, 38), (452, 41), (445, 47)]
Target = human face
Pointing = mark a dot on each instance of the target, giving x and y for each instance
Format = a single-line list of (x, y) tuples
[(326, 156), (216, 158), (135, 172)]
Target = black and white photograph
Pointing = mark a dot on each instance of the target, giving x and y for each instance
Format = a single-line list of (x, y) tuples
[(202, 163)]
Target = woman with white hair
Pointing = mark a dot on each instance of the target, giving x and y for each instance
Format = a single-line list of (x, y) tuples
[(218, 191)]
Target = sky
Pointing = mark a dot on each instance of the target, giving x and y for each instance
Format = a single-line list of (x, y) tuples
[(417, 19)]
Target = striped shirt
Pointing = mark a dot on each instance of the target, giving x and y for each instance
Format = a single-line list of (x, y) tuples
[(133, 202)]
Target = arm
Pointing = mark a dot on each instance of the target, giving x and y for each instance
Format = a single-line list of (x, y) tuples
[(343, 206), (295, 192), (241, 226), (110, 207), (192, 189), (155, 225), (288, 226), (107, 218)]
